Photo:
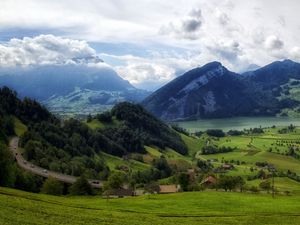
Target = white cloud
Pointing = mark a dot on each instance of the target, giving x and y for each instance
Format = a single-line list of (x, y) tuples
[(46, 49), (186, 28), (237, 33), (273, 42), (295, 53), (158, 69)]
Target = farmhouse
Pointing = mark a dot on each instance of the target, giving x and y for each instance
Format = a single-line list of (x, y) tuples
[(227, 166), (212, 160), (166, 189), (210, 180)]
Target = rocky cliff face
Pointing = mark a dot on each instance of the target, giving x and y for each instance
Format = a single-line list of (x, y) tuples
[(212, 91)]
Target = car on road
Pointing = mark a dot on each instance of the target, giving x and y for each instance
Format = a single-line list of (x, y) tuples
[(24, 162), (45, 171), (32, 166)]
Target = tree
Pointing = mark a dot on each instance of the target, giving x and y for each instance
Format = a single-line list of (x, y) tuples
[(81, 187), (89, 118), (184, 181), (115, 181), (162, 165), (8, 124), (204, 165), (230, 183), (265, 185), (152, 187), (6, 171), (240, 183), (52, 187), (104, 117), (215, 133), (27, 181)]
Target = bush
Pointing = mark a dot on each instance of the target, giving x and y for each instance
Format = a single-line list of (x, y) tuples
[(257, 131), (6, 169), (180, 129), (184, 181), (215, 133), (254, 189), (206, 150), (231, 182), (52, 187), (115, 181), (7, 124), (204, 165), (81, 187), (104, 117), (235, 133), (265, 185)]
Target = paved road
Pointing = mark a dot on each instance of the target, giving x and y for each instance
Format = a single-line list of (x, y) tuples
[(13, 146)]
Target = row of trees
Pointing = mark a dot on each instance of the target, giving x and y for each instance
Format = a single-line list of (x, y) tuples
[(212, 149)]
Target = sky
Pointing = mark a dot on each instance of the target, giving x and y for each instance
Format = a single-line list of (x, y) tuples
[(149, 42)]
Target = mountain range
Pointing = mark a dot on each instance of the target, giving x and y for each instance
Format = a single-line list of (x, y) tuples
[(212, 91), (75, 89)]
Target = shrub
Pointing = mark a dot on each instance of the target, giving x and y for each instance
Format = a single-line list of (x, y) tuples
[(215, 133), (81, 187), (52, 187), (265, 185)]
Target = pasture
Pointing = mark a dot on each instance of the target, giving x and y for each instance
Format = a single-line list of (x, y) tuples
[(205, 208)]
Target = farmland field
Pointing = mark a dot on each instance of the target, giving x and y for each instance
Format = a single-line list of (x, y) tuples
[(203, 208)]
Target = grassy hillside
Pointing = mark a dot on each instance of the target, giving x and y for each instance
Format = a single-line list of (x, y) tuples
[(205, 208), (250, 148), (271, 147), (20, 128), (115, 162)]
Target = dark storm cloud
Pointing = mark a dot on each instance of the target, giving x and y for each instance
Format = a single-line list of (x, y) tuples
[(185, 28), (191, 25)]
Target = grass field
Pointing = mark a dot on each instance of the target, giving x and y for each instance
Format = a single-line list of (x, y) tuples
[(20, 128), (96, 124), (205, 208), (281, 184), (270, 147), (114, 161)]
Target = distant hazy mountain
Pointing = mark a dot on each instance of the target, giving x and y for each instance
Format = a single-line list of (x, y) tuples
[(212, 91), (71, 88)]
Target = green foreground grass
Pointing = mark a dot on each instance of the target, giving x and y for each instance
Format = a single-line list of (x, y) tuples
[(205, 208)]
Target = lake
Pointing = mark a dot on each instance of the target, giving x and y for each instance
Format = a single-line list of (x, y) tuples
[(237, 123)]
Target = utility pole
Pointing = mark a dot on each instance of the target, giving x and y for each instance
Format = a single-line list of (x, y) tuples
[(273, 187)]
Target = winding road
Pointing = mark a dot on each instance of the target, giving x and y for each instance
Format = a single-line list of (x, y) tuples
[(24, 164)]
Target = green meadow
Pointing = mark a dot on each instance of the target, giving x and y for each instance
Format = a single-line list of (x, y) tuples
[(205, 208)]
